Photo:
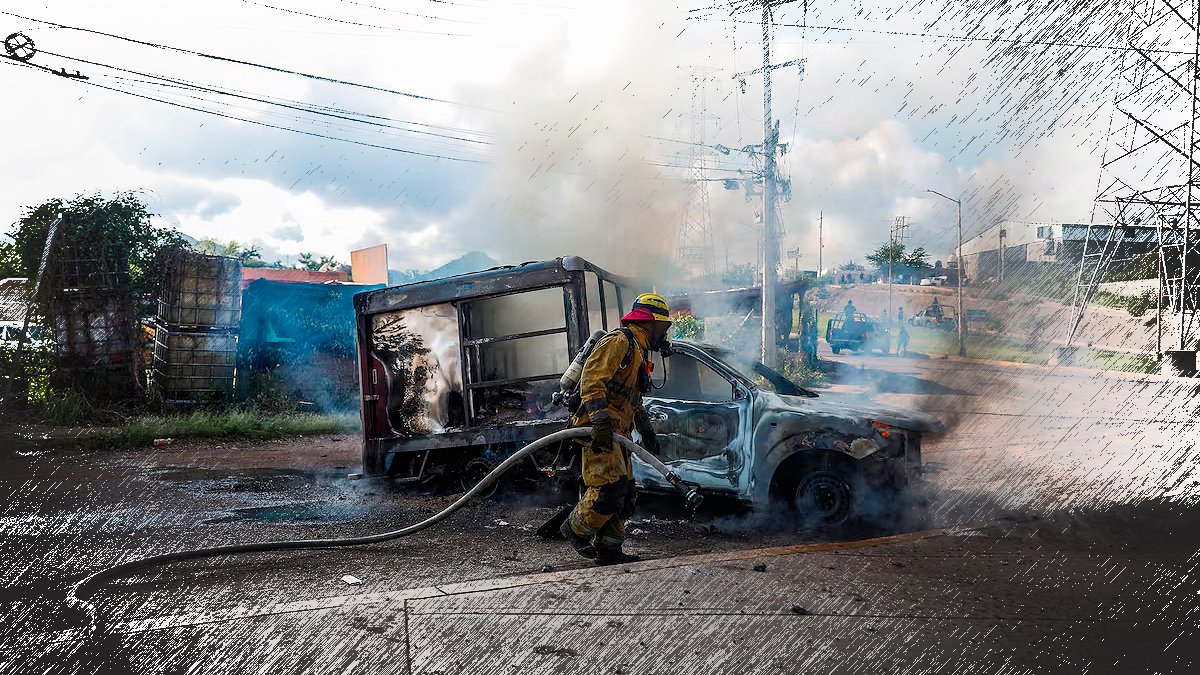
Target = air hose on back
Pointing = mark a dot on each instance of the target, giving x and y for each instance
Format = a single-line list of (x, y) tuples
[(83, 590)]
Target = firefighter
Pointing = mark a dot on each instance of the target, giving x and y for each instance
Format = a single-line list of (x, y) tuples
[(615, 376)]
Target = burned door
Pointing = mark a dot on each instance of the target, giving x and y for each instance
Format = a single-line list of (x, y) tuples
[(415, 369), (515, 348), (699, 423)]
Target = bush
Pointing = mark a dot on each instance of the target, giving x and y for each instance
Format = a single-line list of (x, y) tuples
[(688, 327), (1138, 306), (794, 367)]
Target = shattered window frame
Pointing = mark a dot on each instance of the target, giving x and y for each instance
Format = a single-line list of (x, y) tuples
[(479, 392)]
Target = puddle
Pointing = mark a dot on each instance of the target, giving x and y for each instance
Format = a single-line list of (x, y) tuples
[(311, 512), (183, 473)]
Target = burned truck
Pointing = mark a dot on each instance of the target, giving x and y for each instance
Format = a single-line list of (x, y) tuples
[(459, 373)]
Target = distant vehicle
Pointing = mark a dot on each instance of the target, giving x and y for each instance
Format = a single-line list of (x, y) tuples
[(861, 335), (940, 317), (935, 281)]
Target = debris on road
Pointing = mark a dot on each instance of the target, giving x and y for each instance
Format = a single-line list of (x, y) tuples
[(352, 580), (354, 476), (548, 650), (799, 610), (760, 567), (159, 442)]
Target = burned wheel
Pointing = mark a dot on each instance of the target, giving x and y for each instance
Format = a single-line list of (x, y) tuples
[(824, 498), (475, 470)]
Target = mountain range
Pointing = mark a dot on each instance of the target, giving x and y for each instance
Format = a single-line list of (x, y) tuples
[(464, 264)]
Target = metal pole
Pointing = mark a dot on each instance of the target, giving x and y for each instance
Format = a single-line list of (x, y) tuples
[(962, 319), (770, 248), (821, 244), (1185, 286), (891, 273), (18, 357)]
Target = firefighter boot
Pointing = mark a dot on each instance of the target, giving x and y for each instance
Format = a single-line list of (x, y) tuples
[(582, 546), (614, 556)]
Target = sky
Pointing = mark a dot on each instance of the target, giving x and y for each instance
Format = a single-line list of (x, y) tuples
[(533, 128)]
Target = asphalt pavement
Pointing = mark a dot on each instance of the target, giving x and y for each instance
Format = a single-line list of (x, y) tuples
[(1057, 534)]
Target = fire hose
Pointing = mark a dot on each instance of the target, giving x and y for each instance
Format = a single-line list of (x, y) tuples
[(83, 590)]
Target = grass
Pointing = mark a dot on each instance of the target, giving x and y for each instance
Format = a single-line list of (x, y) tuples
[(233, 424), (1129, 363), (1000, 348)]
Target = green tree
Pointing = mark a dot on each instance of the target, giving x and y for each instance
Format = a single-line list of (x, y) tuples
[(249, 255), (916, 259), (309, 261), (116, 230), (10, 260), (891, 253), (852, 266)]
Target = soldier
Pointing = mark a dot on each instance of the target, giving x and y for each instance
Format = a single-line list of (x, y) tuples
[(849, 311), (615, 376)]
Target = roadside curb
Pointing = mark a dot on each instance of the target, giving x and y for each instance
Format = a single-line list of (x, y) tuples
[(1076, 370)]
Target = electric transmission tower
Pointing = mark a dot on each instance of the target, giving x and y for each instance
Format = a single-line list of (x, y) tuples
[(694, 251), (1149, 175)]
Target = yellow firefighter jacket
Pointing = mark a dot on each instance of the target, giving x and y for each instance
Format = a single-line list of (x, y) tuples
[(607, 393)]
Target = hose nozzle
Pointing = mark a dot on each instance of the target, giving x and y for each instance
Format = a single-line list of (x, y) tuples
[(691, 496)]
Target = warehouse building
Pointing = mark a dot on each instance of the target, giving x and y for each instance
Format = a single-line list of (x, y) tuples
[(1013, 247)]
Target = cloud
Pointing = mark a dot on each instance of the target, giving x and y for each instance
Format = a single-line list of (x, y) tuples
[(570, 103), (291, 232)]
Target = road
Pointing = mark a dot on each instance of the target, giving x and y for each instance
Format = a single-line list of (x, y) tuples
[(1059, 534)]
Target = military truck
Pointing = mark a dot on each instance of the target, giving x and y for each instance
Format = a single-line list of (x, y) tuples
[(458, 373), (860, 334)]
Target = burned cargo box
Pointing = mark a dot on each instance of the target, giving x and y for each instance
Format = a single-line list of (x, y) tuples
[(461, 368), (418, 350)]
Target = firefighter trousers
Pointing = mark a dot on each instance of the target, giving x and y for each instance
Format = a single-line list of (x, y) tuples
[(609, 499)]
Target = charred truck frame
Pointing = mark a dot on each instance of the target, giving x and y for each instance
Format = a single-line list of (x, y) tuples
[(458, 373)]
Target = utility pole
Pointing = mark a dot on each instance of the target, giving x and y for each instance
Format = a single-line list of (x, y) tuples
[(821, 244), (899, 225), (960, 321), (1002, 233), (770, 243), (770, 255)]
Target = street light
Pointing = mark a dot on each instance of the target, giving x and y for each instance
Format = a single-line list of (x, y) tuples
[(961, 320)]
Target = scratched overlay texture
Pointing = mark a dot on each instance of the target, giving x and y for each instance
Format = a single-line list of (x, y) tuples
[(1054, 526)]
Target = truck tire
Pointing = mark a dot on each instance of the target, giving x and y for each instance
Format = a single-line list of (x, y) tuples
[(836, 349), (826, 498), (474, 469)]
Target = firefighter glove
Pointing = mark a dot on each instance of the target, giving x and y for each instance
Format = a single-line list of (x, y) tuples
[(602, 435), (641, 422)]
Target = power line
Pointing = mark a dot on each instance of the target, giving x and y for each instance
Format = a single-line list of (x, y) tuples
[(953, 38), (352, 23), (283, 128), (400, 11), (339, 114), (252, 64), (137, 85)]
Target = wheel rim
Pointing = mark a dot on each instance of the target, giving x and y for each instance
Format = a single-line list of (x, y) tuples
[(476, 470), (824, 498)]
